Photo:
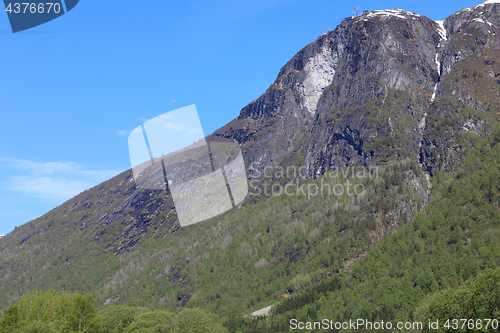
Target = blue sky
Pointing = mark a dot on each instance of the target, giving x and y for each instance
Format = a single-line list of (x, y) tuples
[(72, 89)]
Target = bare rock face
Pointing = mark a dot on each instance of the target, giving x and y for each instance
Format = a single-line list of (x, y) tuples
[(301, 81), (471, 32), (271, 125), (468, 93), (385, 84)]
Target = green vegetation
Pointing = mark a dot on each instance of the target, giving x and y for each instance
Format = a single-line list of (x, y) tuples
[(241, 261), (51, 311), (453, 239), (63, 312), (478, 299), (117, 318)]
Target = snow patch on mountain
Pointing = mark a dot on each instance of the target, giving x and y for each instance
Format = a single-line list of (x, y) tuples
[(434, 93), (441, 29), (488, 2), (399, 13)]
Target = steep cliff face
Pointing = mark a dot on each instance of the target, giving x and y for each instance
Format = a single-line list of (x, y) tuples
[(471, 32), (271, 125), (468, 93), (421, 84), (383, 85), (367, 91)]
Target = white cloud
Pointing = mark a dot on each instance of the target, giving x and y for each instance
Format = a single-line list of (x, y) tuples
[(53, 182), (51, 189), (172, 100), (160, 123), (175, 126), (123, 132)]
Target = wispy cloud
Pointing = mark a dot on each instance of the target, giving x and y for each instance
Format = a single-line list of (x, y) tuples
[(180, 127), (123, 132), (51, 189), (184, 123), (172, 100), (52, 182)]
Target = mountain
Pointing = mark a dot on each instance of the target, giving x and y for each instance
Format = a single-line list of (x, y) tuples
[(391, 91), (365, 90)]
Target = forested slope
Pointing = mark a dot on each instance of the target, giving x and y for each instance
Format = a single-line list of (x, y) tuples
[(453, 239)]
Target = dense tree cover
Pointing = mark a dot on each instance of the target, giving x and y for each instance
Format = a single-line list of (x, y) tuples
[(242, 260), (116, 318), (155, 321), (121, 319), (453, 239), (62, 312), (51, 311), (249, 257), (246, 260), (478, 301)]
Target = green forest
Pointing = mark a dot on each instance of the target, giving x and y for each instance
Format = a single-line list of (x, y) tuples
[(58, 312), (442, 264), (241, 261)]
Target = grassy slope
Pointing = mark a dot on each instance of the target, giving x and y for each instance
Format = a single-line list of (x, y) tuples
[(251, 256), (239, 261)]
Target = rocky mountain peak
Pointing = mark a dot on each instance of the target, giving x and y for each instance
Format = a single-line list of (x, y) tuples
[(485, 13), (387, 13), (363, 92), (488, 2)]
